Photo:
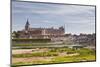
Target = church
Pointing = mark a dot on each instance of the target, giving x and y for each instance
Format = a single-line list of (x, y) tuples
[(41, 33)]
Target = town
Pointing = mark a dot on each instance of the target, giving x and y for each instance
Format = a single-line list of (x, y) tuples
[(54, 35), (51, 45)]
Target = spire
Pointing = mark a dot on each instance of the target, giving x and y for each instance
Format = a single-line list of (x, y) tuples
[(27, 25)]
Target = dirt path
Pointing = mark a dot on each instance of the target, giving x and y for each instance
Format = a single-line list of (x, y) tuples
[(23, 51), (31, 59)]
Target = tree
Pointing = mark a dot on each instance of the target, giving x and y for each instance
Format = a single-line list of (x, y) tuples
[(15, 34)]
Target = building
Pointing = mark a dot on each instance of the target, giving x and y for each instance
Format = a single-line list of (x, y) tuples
[(41, 33)]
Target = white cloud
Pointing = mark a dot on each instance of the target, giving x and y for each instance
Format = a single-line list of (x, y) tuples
[(40, 13)]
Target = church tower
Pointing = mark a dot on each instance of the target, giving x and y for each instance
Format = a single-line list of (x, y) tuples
[(27, 25)]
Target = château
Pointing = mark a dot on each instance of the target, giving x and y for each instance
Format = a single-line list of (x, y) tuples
[(41, 33)]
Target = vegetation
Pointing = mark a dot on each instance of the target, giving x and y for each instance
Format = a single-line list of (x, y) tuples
[(41, 54), (34, 44), (32, 40), (74, 58), (84, 55)]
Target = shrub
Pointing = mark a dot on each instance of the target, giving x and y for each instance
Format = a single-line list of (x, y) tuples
[(31, 40)]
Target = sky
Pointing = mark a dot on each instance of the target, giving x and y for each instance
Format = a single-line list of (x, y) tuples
[(75, 18)]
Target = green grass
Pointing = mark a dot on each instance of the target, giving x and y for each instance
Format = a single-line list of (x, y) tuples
[(42, 54), (55, 51), (33, 44), (85, 51), (32, 40), (60, 60), (74, 58), (33, 62), (84, 55)]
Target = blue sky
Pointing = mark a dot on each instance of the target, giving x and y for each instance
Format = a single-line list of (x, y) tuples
[(76, 19)]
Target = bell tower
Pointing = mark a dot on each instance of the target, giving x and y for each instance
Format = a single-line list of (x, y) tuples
[(27, 25)]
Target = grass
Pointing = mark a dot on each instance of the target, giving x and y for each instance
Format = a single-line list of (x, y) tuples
[(74, 58), (34, 44), (85, 55), (32, 40), (42, 54), (60, 60)]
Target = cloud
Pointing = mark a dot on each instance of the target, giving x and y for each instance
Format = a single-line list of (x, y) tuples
[(47, 15)]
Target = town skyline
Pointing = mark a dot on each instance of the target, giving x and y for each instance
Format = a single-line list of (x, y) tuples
[(76, 19)]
